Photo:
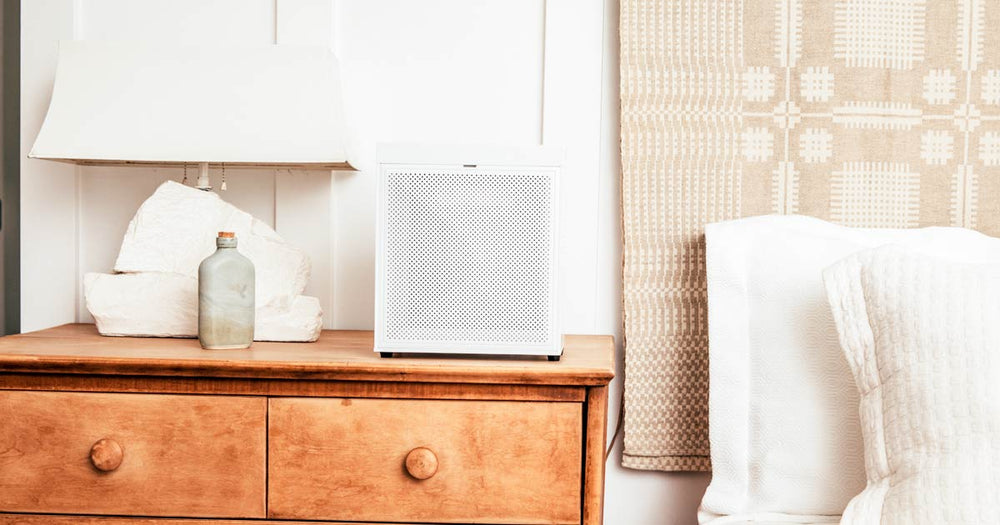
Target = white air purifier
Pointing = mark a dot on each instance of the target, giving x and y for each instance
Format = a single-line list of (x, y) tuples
[(466, 251)]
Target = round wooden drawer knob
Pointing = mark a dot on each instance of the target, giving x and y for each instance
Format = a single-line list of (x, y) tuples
[(106, 455), (421, 463)]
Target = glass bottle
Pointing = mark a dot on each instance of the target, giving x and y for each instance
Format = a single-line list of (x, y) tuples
[(225, 297)]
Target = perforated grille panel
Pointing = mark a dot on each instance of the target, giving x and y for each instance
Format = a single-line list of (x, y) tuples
[(467, 255)]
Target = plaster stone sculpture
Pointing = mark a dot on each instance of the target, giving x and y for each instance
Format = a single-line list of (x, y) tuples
[(154, 290)]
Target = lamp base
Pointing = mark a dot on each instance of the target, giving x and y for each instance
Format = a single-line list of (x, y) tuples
[(203, 183)]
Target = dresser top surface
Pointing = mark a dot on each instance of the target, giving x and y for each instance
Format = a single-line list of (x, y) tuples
[(337, 355)]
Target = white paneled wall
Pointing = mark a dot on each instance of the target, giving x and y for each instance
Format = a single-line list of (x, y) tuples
[(49, 266), (439, 71), (446, 71)]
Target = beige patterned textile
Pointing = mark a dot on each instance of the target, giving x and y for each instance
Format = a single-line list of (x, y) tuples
[(875, 113)]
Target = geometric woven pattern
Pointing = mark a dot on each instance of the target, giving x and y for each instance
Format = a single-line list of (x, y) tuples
[(873, 113), (882, 193)]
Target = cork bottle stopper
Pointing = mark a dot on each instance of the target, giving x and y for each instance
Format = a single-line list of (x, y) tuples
[(227, 235)]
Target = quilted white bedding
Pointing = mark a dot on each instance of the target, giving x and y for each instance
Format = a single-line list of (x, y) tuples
[(922, 336)]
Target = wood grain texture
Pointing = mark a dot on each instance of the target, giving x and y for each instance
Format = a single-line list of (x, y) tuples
[(338, 355), (288, 387), (48, 519), (499, 462), (594, 459), (196, 456), (509, 435)]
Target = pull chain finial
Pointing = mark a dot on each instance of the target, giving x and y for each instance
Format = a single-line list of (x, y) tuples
[(185, 180), (223, 187)]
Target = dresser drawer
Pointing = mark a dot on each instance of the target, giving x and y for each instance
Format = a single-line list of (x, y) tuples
[(480, 461), (161, 455)]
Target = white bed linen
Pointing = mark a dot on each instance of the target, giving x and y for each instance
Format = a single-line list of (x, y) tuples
[(783, 408)]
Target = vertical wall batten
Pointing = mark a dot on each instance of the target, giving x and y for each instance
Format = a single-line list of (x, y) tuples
[(571, 118)]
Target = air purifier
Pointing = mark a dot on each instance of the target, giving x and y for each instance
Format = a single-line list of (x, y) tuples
[(467, 248)]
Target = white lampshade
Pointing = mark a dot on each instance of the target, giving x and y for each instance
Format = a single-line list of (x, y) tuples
[(119, 103)]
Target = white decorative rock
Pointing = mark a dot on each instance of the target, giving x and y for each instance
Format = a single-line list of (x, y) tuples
[(149, 304), (302, 322), (155, 290), (175, 229), (156, 304)]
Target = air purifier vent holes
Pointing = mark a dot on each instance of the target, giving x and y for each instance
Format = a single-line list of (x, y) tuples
[(468, 255)]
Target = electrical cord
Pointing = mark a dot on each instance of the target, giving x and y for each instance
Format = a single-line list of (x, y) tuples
[(619, 425)]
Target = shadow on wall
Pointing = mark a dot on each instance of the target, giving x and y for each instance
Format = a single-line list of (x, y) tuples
[(674, 502), (647, 497)]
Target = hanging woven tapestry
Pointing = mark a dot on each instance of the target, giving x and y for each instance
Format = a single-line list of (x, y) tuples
[(874, 113)]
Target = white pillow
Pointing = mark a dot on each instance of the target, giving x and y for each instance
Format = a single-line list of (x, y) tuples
[(783, 421), (922, 336)]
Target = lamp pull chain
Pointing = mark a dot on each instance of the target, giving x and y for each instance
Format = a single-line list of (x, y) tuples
[(223, 187), (185, 180)]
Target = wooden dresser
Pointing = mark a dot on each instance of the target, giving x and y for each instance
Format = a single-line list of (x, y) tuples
[(152, 431)]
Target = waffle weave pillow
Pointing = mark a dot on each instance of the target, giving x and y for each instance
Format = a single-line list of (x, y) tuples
[(922, 338)]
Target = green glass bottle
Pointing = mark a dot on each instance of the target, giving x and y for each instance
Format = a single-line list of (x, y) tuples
[(225, 297)]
